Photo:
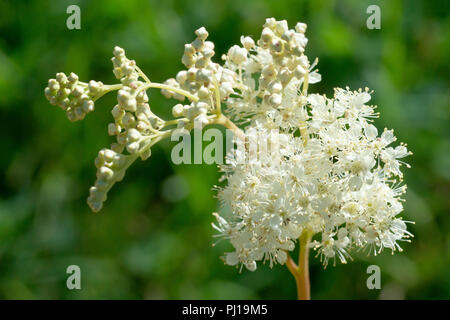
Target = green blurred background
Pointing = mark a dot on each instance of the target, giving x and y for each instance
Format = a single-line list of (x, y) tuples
[(153, 238)]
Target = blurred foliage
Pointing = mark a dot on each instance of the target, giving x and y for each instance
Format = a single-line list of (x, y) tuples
[(146, 244)]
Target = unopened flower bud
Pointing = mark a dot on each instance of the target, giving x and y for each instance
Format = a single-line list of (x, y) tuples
[(237, 55), (201, 33), (178, 110), (247, 42)]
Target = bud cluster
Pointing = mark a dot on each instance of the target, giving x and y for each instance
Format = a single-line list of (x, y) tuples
[(280, 67), (209, 82), (72, 95), (110, 169), (135, 128), (133, 122)]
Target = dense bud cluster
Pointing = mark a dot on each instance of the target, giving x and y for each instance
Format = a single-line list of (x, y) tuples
[(206, 80), (279, 66), (72, 95), (133, 119), (110, 169), (135, 126), (124, 68)]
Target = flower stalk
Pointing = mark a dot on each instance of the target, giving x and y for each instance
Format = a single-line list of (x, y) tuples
[(300, 271), (227, 123)]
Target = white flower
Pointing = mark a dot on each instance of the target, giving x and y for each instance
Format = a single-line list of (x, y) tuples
[(337, 180), (325, 172)]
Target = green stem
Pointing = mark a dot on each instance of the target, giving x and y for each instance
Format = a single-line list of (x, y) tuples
[(301, 271), (142, 74), (227, 123), (303, 283), (108, 88), (169, 88)]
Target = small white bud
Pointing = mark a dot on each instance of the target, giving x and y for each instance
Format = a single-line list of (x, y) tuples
[(300, 27), (61, 78), (299, 72), (267, 35), (208, 45), (285, 76), (133, 135), (73, 77), (94, 87), (201, 33), (113, 129), (128, 119), (204, 75), (281, 27), (198, 44), (251, 266), (109, 155), (275, 100), (178, 110), (88, 106), (191, 74), (105, 173), (118, 51), (275, 87), (117, 112), (276, 46), (247, 42), (181, 77), (133, 147), (203, 93), (269, 71), (189, 50), (130, 105), (237, 55)]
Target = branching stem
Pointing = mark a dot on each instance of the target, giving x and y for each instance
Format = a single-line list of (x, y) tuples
[(169, 88)]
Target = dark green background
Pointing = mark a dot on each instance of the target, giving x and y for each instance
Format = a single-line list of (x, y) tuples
[(143, 246)]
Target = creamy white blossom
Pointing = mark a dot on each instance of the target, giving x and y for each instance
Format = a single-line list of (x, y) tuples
[(332, 174), (337, 178)]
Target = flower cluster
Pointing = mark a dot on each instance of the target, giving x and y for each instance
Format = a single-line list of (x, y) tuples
[(336, 178), (209, 82), (135, 126), (332, 176), (269, 73), (111, 168), (74, 96), (133, 122)]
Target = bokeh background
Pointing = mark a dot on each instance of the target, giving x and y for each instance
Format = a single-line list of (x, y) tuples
[(153, 239)]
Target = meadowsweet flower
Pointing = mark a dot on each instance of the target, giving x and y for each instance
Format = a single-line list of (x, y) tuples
[(320, 168), (336, 179)]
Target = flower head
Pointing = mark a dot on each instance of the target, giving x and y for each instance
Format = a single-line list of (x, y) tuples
[(335, 177), (329, 173)]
